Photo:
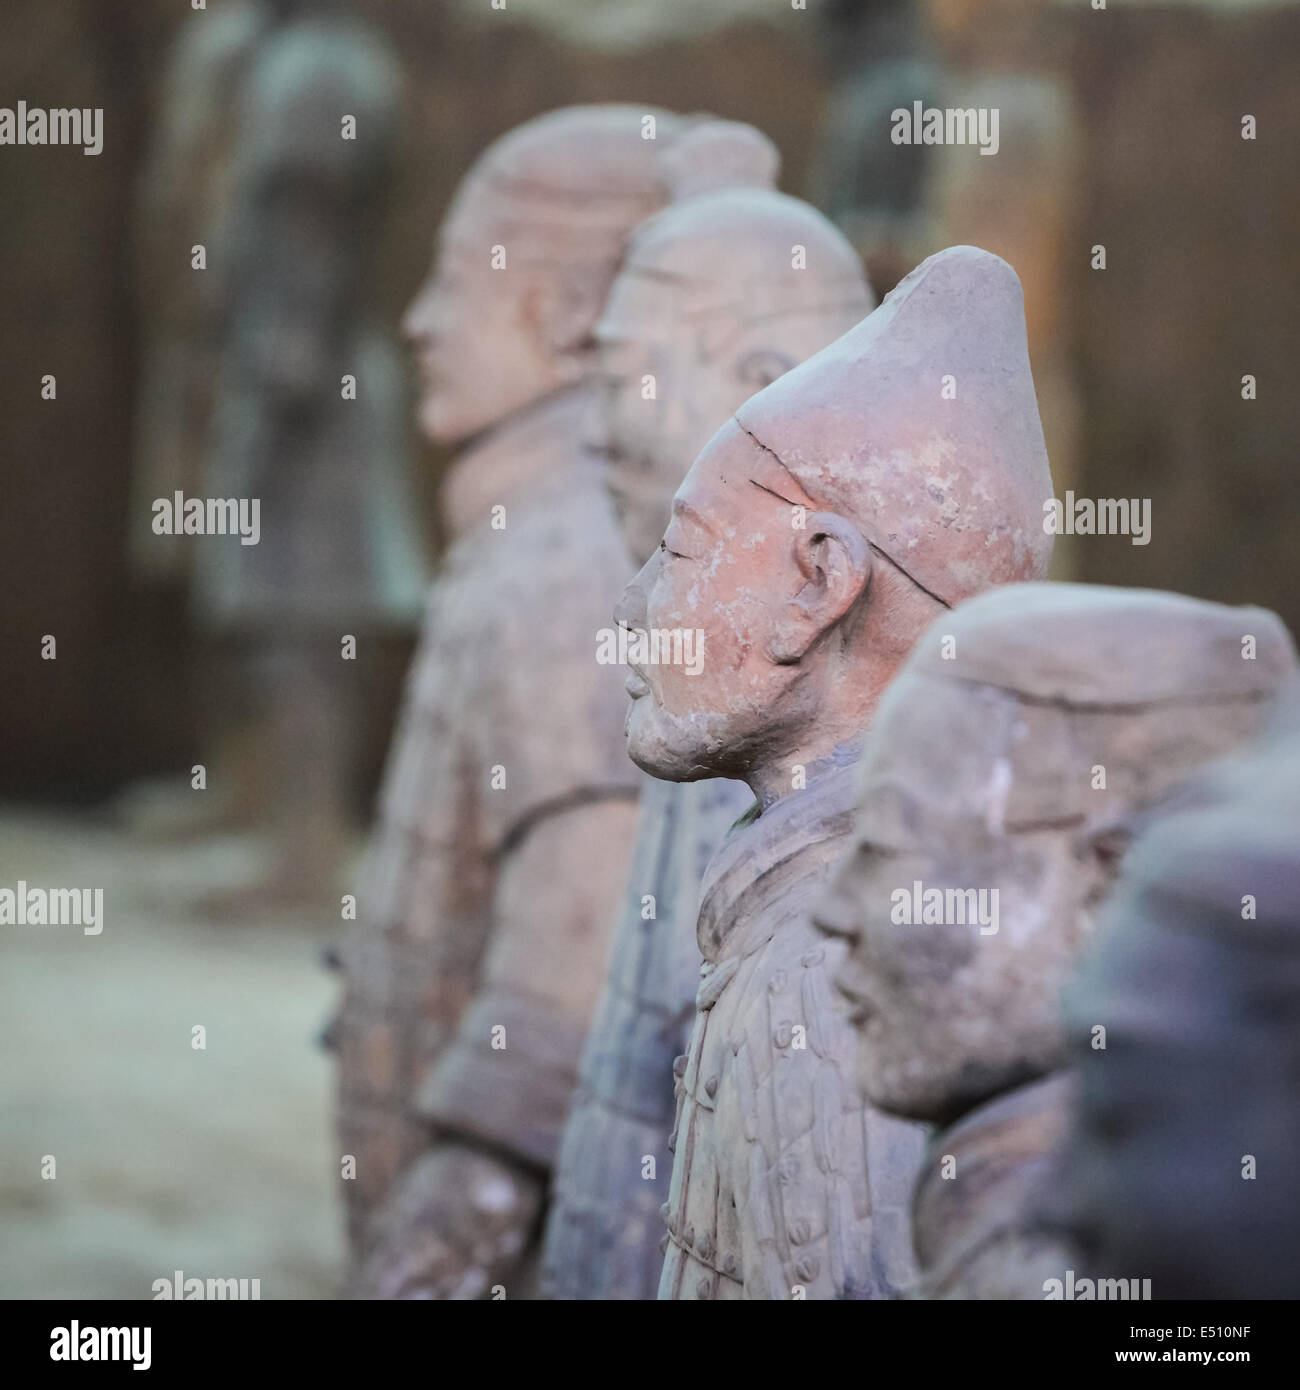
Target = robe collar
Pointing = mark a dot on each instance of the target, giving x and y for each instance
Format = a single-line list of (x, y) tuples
[(764, 869)]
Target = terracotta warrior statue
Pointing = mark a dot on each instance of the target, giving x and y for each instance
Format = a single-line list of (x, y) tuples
[(509, 805), (817, 535), (720, 294), (183, 188), (309, 430), (1024, 729), (1182, 1027)]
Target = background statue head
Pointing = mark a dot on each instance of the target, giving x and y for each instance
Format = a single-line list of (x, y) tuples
[(1026, 726), (525, 259), (1183, 1165), (305, 192), (721, 292), (823, 528)]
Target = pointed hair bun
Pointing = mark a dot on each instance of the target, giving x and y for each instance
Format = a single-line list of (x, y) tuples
[(712, 154)]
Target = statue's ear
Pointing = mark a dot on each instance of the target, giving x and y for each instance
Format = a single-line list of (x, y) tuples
[(1106, 844), (832, 564), (1101, 846)]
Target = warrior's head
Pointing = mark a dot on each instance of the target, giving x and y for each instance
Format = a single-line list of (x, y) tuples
[(1006, 759), (525, 259), (721, 293), (825, 525), (318, 127)]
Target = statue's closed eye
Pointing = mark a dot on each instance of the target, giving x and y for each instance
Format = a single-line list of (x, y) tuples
[(761, 367)]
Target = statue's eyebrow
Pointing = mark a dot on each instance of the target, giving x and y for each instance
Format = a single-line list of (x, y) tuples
[(684, 508), (808, 504), (658, 274), (771, 493)]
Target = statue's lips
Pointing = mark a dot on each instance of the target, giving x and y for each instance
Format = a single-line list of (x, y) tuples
[(426, 365), (857, 1008), (636, 685)]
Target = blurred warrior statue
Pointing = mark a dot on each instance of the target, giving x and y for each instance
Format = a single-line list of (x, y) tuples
[(309, 419), (1183, 1166), (509, 804), (185, 184), (1025, 729), (711, 305)]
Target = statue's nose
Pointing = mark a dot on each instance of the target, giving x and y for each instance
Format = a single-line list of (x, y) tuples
[(416, 319), (629, 611)]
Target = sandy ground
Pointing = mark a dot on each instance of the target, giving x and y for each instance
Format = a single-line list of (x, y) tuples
[(220, 1162)]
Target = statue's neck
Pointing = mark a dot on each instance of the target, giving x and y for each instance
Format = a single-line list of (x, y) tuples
[(783, 776), (798, 769), (519, 454)]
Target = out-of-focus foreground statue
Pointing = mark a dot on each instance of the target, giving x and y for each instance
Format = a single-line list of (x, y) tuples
[(1024, 729), (817, 535), (720, 294), (509, 805), (1182, 1027), (309, 420)]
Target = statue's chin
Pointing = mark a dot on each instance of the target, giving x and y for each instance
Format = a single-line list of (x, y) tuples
[(443, 425), (669, 765), (652, 747), (451, 416), (652, 761)]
